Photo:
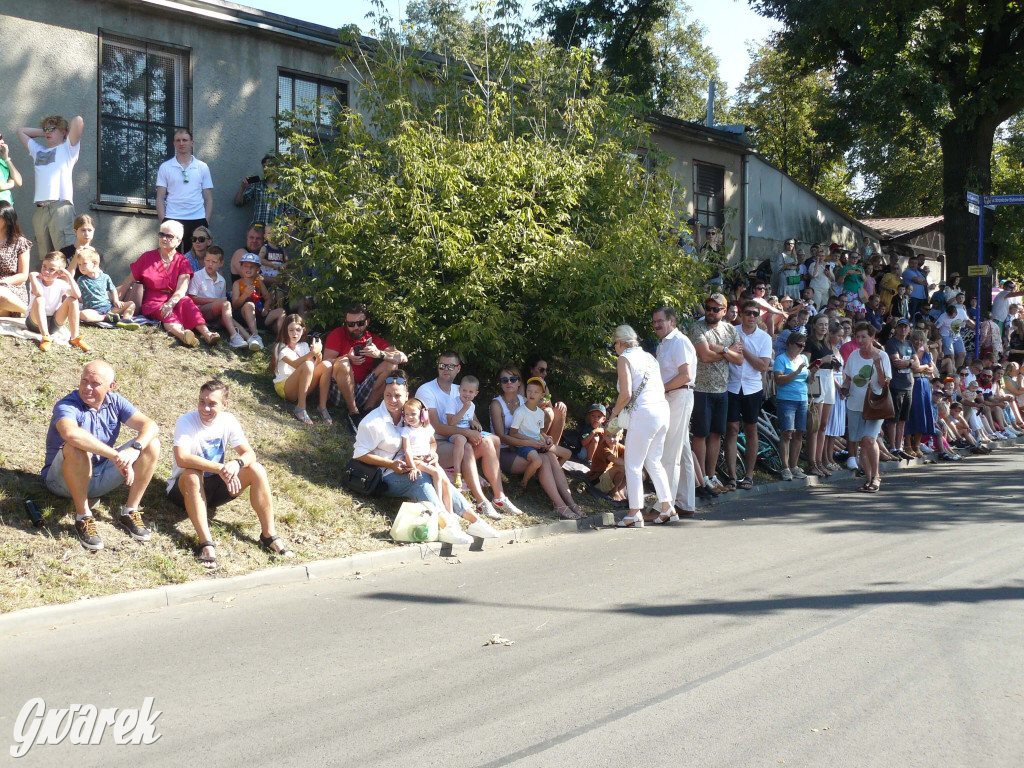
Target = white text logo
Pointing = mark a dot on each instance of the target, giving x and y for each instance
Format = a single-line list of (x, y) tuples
[(82, 724)]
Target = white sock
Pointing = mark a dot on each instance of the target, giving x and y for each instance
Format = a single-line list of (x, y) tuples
[(128, 510), (81, 517)]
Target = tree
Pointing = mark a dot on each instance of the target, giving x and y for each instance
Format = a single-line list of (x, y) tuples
[(1008, 179), (683, 67), (956, 66), (492, 206)]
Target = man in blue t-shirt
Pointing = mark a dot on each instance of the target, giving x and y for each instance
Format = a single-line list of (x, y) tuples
[(82, 462)]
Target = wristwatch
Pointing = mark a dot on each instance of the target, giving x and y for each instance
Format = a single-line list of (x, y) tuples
[(136, 445)]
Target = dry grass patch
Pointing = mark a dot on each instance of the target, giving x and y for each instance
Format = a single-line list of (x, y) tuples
[(315, 515)]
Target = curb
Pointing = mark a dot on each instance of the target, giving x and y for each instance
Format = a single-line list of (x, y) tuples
[(48, 616)]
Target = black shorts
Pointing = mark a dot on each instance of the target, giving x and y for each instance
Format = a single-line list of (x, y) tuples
[(745, 408), (901, 403), (51, 324), (709, 413), (214, 488)]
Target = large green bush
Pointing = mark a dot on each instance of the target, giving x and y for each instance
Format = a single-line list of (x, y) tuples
[(491, 209)]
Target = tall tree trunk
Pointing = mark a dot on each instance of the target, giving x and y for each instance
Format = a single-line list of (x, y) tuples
[(966, 167)]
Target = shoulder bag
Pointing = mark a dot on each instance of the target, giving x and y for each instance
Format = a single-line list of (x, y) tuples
[(621, 421), (362, 478), (878, 406)]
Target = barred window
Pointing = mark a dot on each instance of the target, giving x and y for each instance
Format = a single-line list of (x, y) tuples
[(709, 194), (310, 98), (144, 95)]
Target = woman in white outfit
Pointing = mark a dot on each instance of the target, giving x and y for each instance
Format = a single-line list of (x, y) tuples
[(640, 378)]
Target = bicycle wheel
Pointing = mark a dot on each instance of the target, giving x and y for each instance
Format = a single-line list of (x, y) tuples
[(741, 464), (768, 456)]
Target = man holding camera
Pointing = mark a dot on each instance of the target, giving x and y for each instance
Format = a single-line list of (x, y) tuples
[(362, 363)]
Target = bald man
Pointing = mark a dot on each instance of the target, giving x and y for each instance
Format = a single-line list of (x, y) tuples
[(82, 462)]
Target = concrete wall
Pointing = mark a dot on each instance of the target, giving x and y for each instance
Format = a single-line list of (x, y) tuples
[(50, 65), (683, 154), (780, 208)]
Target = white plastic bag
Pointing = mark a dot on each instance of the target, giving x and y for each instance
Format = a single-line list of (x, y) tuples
[(415, 522)]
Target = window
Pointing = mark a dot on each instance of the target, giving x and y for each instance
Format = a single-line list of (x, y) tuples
[(144, 93), (709, 194), (301, 94)]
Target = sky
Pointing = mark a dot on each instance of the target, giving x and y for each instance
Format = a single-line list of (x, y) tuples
[(730, 24)]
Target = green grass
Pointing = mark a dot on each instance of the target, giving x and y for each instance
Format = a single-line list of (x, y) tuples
[(314, 513)]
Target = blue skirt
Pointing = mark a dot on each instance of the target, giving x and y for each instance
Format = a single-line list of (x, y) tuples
[(921, 422)]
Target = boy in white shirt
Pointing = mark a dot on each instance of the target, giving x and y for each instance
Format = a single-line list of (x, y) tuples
[(528, 426), (461, 412), (203, 478), (209, 292), (53, 301)]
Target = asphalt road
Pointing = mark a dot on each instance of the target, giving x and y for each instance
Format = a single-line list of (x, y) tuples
[(814, 629)]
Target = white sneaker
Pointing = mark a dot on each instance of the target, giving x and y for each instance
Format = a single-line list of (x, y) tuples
[(484, 508), (481, 530), (926, 449), (255, 342), (453, 534), (851, 463), (798, 473), (236, 341), (786, 474), (506, 507), (714, 482)]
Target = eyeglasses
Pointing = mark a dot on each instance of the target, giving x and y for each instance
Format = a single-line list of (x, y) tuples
[(200, 239), (394, 380), (50, 129), (167, 235), (355, 323), (508, 379), (752, 313), (447, 366)]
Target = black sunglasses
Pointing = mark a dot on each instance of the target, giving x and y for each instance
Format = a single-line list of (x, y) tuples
[(508, 379), (355, 323), (394, 380), (447, 366), (712, 308), (752, 313), (200, 239)]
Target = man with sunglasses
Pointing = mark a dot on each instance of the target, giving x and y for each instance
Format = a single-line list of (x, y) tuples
[(184, 189), (746, 393), (677, 360), (436, 397), (717, 344), (54, 158), (363, 363)]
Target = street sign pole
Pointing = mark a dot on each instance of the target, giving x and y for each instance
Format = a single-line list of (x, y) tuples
[(981, 259)]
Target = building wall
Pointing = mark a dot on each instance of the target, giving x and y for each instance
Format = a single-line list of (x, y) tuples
[(780, 208), (683, 153), (50, 66)]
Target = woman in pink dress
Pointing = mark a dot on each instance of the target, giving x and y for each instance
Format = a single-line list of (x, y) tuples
[(164, 275)]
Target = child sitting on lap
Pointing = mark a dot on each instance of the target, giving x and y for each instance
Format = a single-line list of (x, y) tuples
[(100, 302), (420, 449), (53, 301), (461, 413), (528, 425)]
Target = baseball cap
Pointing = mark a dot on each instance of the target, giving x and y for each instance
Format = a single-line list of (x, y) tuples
[(904, 321), (249, 258), (718, 299), (598, 407)]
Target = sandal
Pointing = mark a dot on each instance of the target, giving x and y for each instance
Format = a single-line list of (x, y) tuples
[(666, 517), (580, 514), (730, 484), (566, 514), (745, 484), (266, 544), (325, 415), (631, 521), (301, 415), (873, 486), (208, 561)]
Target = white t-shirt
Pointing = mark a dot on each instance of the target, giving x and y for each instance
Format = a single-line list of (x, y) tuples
[(53, 295), (1001, 305), (285, 357), (419, 439), (209, 442), (378, 434), (760, 344), (529, 423), (950, 326), (53, 169), (673, 351), (454, 406), (184, 200), (861, 371), (206, 287), (436, 399)]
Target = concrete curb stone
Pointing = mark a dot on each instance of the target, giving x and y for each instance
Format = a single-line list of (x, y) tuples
[(207, 589)]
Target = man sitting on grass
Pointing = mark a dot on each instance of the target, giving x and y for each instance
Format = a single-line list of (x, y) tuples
[(203, 479), (81, 461)]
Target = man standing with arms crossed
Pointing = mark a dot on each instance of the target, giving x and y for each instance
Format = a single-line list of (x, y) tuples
[(54, 149), (717, 345), (184, 189), (678, 362), (746, 394)]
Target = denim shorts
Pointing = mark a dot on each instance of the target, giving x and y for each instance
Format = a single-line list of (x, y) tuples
[(105, 478), (792, 415), (953, 345), (861, 427), (710, 411)]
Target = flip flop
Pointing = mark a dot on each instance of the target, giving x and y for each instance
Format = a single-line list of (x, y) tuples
[(208, 561), (267, 545), (301, 415), (325, 415)]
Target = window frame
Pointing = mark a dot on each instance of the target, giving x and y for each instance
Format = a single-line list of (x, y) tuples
[(187, 72), (705, 216), (320, 82)]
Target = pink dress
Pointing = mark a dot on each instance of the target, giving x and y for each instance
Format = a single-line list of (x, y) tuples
[(159, 283)]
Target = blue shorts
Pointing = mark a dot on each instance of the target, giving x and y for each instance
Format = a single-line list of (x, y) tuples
[(792, 415), (710, 410), (953, 345), (103, 308), (106, 477), (524, 451)]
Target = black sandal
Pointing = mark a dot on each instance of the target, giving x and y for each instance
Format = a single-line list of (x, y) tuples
[(267, 546), (208, 561), (873, 486), (745, 484)]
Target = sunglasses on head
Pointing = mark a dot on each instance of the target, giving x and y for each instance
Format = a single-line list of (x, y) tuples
[(394, 380), (355, 323), (447, 366), (508, 379)]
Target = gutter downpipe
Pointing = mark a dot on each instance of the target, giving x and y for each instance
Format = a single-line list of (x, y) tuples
[(745, 181)]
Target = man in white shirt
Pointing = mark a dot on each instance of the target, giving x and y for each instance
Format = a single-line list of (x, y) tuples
[(677, 359), (1002, 301), (436, 396), (949, 324), (184, 189), (746, 393), (54, 158)]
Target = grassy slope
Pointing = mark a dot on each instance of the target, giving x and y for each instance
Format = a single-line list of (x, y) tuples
[(315, 515)]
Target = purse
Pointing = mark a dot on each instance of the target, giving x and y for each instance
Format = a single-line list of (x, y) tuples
[(814, 386), (878, 406), (621, 420), (362, 478)]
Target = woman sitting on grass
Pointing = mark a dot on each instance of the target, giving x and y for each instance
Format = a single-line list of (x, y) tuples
[(299, 369)]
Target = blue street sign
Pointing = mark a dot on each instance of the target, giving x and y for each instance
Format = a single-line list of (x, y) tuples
[(973, 198), (1004, 199)]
